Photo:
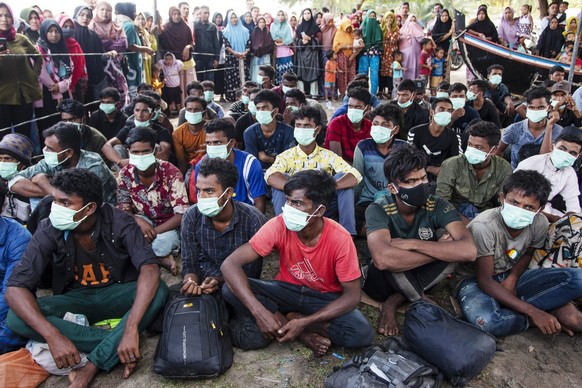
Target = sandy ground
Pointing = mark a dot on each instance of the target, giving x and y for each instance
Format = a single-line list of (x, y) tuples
[(527, 360)]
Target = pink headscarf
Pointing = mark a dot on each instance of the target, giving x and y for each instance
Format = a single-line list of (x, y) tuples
[(409, 32)]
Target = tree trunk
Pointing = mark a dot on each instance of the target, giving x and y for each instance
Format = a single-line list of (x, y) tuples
[(360, 4), (543, 6)]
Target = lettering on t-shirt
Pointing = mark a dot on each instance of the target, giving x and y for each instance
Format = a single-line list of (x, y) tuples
[(92, 275), (304, 270)]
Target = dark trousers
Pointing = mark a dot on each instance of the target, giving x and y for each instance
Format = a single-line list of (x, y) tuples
[(96, 304), (12, 115), (203, 64), (351, 330), (379, 285)]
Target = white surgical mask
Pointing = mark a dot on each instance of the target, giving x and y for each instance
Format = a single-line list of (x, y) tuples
[(217, 151), (285, 89), (245, 99), (208, 95), (142, 162), (304, 136), (495, 79), (442, 95), (295, 220), (8, 169), (264, 117), (52, 158), (555, 103), (471, 96), (355, 115), (252, 108), (516, 217), (380, 134), (404, 105), (536, 115), (141, 124), (475, 156), (442, 118), (193, 117), (458, 102), (62, 218), (562, 159), (107, 108), (209, 206)]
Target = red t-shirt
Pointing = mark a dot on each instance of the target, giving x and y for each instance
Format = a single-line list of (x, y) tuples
[(322, 267), (425, 59), (341, 130)]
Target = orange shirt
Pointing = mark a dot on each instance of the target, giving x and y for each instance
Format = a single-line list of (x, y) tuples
[(188, 146), (330, 71)]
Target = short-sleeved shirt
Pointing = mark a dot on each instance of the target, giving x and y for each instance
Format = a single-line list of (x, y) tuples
[(424, 60), (250, 183), (189, 146), (370, 163), (447, 144), (90, 271), (159, 202), (439, 70), (436, 213), (492, 239), (333, 260), (294, 160), (281, 140), (109, 129), (414, 115), (396, 70), (498, 95), (330, 69), (341, 130), (488, 112), (457, 182), (518, 135), (161, 132), (134, 59)]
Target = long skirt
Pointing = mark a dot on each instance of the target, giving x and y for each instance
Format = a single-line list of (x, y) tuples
[(284, 65)]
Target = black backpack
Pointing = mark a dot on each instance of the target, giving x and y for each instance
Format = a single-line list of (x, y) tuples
[(390, 364), (195, 342)]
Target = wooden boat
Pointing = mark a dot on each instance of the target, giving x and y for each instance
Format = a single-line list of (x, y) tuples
[(521, 70)]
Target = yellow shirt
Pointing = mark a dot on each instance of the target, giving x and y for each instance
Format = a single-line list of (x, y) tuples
[(188, 146)]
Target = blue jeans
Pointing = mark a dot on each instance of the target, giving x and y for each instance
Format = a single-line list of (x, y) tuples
[(546, 289), (341, 206), (468, 210), (351, 329), (166, 242), (371, 64)]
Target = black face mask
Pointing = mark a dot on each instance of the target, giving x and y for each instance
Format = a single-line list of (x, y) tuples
[(415, 196)]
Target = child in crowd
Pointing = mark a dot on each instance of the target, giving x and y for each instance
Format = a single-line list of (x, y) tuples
[(524, 26), (358, 40), (171, 92), (157, 81), (438, 69), (397, 71), (330, 75), (425, 60), (566, 57)]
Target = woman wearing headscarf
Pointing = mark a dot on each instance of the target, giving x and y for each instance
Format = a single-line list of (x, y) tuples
[(18, 77), (176, 37), (144, 38), (356, 18), (410, 36), (370, 58), (113, 39), (551, 40), (483, 27), (293, 24), (391, 34), (218, 20), (346, 60), (56, 74), (33, 19), (261, 49), (443, 30), (90, 43), (508, 28), (283, 37), (237, 44), (571, 26), (328, 31), (268, 19), (248, 22), (79, 79), (307, 41)]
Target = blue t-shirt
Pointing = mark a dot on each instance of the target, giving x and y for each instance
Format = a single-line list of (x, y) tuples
[(438, 71), (251, 183), (518, 135), (281, 140), (396, 70)]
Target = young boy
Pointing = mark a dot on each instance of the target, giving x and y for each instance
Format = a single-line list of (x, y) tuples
[(209, 98), (425, 60), (501, 295), (438, 69), (157, 80), (397, 71), (171, 92), (330, 75)]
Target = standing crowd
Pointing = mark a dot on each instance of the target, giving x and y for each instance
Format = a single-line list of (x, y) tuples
[(457, 180)]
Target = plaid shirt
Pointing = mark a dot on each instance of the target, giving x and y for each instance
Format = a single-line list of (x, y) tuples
[(204, 248)]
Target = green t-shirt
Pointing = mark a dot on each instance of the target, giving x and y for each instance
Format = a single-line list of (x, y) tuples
[(435, 214)]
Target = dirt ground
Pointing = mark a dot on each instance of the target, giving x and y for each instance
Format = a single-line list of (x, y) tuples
[(525, 360)]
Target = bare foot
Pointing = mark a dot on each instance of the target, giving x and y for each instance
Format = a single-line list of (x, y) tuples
[(315, 342), (388, 325), (169, 263), (570, 318), (129, 369), (82, 377)]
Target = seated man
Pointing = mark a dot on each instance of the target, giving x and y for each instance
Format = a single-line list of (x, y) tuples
[(499, 93), (344, 132), (435, 139), (265, 77), (143, 111), (153, 191), (314, 299), (307, 155), (108, 119), (295, 99), (288, 82), (408, 257), (369, 158), (14, 239), (484, 106), (73, 111), (250, 187), (246, 120), (500, 295), (215, 228), (15, 156), (471, 181), (268, 137), (413, 113), (104, 269), (209, 98), (531, 131), (158, 116), (361, 80), (62, 151), (195, 89), (241, 107), (565, 105), (556, 167), (463, 114), (557, 73), (189, 138)]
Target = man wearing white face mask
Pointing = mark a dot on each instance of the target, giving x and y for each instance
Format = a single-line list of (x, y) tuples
[(563, 102), (220, 143), (463, 114), (484, 106), (108, 119), (247, 119), (153, 192), (307, 155), (531, 131), (556, 167), (435, 139), (15, 155), (413, 113), (498, 293), (471, 182), (499, 93), (315, 294), (73, 111), (189, 138), (288, 82)]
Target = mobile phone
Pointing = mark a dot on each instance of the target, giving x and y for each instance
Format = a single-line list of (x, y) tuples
[(3, 45)]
